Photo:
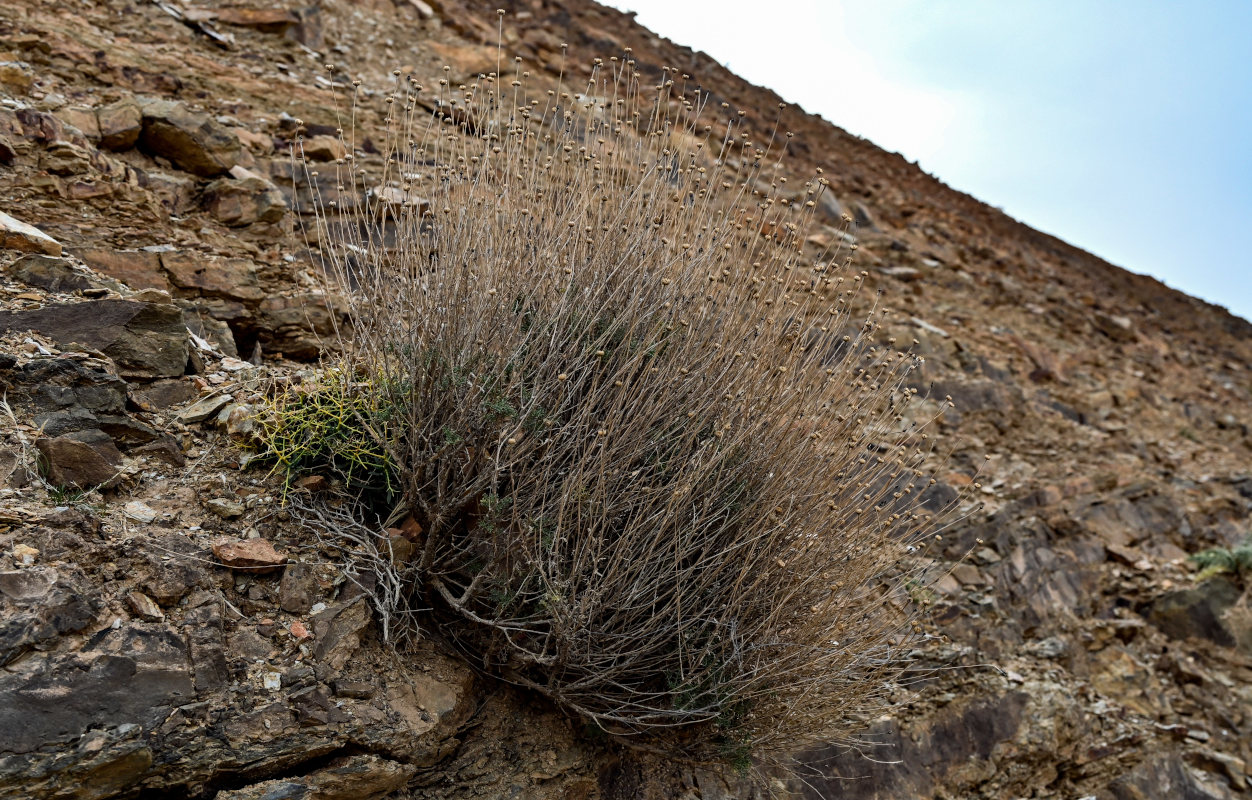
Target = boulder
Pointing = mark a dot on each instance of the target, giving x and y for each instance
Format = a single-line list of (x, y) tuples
[(17, 235), (191, 141), (250, 555), (51, 385), (135, 674), (49, 272), (297, 326), (323, 148), (83, 460), (138, 269), (82, 119), (243, 199), (234, 278), (145, 340), (828, 209), (1198, 611), (64, 395), (338, 631), (119, 124)]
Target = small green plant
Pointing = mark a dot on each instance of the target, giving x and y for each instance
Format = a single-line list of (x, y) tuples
[(71, 496), (333, 425), (1234, 561)]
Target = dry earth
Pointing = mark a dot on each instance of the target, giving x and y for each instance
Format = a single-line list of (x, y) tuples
[(167, 630)]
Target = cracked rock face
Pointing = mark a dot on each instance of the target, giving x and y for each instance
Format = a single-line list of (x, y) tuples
[(145, 340), (174, 704), (190, 140)]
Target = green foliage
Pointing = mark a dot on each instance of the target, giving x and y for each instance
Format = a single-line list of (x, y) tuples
[(334, 426), (1235, 561), (71, 496)]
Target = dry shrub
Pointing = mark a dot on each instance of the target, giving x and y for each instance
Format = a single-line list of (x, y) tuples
[(663, 475)]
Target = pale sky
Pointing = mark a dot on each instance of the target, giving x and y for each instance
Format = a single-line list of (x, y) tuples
[(1121, 126)]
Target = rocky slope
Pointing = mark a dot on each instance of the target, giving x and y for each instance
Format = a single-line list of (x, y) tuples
[(166, 629)]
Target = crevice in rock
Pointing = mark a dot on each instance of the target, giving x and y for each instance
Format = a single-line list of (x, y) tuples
[(239, 779)]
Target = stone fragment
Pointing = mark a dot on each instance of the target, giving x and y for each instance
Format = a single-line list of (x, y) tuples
[(312, 706), (312, 483), (338, 631), (16, 75), (298, 589), (174, 569), (905, 274), (244, 199), (191, 141), (145, 607), (17, 235), (266, 20), (1116, 327), (235, 278), (250, 555), (423, 9), (863, 218), (203, 408), (323, 148), (259, 143), (139, 511), (24, 555), (81, 118), (162, 394), (176, 191), (396, 196), (65, 158), (27, 585), (145, 340), (401, 549), (48, 272), (1198, 611), (13, 473), (119, 124), (138, 269), (202, 322), (360, 690), (82, 460), (164, 449), (226, 509)]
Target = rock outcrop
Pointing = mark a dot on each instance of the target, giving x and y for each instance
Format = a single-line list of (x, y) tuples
[(167, 628)]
